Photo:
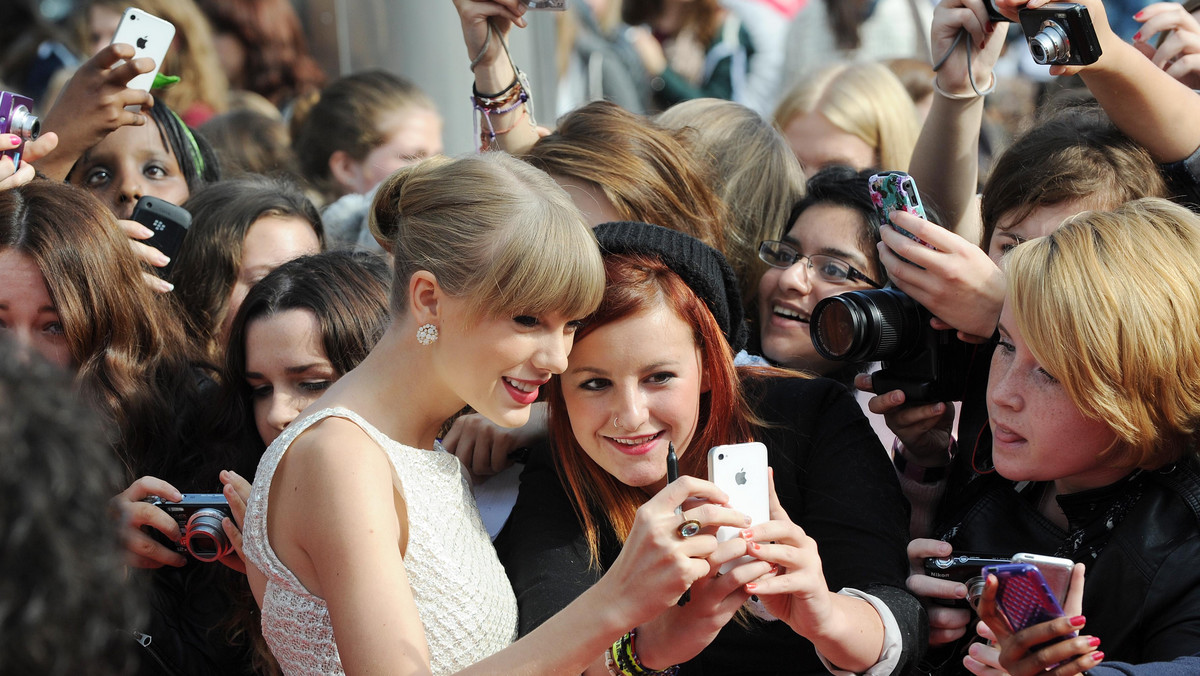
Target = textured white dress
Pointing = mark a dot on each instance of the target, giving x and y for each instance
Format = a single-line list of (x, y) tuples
[(462, 594)]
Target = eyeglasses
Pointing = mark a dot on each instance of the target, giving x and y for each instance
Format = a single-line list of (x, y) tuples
[(829, 269)]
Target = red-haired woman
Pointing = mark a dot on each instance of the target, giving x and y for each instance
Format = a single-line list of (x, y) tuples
[(654, 366)]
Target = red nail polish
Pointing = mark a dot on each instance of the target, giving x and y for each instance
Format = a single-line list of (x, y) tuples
[(1094, 642), (755, 546), (1138, 15), (1078, 621), (750, 586), (1098, 656), (1137, 36), (14, 139), (748, 534)]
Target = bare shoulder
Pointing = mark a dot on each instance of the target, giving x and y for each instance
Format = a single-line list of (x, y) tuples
[(335, 445), (334, 464)]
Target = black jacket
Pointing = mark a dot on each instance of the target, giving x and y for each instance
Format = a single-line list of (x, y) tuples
[(1140, 539), (833, 479)]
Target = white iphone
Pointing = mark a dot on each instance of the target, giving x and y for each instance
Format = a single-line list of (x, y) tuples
[(741, 471), (150, 37), (1056, 570)]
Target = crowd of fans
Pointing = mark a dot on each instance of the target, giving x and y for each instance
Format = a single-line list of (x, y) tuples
[(453, 414)]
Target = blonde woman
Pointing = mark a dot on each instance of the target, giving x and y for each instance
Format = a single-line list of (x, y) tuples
[(859, 115), (372, 554), (1093, 413)]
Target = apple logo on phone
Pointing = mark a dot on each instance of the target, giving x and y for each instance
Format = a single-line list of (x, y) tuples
[(142, 42), (740, 478)]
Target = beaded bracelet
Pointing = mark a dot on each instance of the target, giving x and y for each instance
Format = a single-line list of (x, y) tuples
[(622, 660), (513, 96)]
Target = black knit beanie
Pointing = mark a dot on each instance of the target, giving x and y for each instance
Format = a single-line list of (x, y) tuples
[(700, 266)]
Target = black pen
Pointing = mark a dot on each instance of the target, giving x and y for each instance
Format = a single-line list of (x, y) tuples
[(672, 475)]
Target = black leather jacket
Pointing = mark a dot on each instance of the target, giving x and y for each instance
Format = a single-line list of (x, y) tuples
[(1140, 539)]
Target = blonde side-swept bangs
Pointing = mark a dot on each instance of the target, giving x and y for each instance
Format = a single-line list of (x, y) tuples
[(1108, 305), (495, 232)]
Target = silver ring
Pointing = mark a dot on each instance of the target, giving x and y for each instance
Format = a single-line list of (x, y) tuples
[(689, 528)]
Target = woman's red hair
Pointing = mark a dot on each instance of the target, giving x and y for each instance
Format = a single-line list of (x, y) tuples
[(640, 283)]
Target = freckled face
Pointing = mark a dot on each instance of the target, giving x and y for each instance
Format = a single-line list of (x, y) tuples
[(629, 395), (1038, 432)]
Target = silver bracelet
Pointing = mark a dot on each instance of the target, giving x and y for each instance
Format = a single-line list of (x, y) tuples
[(977, 93)]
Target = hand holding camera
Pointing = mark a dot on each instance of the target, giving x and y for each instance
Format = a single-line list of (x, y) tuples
[(950, 19), (199, 518), (139, 518), (947, 623)]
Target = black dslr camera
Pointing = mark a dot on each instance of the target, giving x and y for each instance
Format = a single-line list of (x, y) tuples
[(199, 516), (887, 325)]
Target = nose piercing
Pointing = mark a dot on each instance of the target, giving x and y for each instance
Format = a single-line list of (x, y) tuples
[(616, 421)]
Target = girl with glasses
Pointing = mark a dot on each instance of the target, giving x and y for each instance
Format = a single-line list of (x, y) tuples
[(827, 248)]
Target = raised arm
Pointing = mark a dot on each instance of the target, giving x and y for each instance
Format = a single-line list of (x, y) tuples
[(494, 75), (92, 104), (1147, 104), (945, 162)]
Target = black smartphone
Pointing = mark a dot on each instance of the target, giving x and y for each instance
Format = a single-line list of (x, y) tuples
[(169, 223)]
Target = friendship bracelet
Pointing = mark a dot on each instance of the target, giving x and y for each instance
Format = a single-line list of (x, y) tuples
[(492, 99), (622, 660), (487, 138), (515, 95)]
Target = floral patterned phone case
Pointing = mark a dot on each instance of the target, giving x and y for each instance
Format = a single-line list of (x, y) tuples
[(895, 191)]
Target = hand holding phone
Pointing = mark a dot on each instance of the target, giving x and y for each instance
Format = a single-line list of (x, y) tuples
[(1023, 597), (168, 222), (895, 191), (150, 37), (741, 471)]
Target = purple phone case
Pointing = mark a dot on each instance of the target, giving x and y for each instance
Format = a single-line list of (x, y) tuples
[(1023, 597)]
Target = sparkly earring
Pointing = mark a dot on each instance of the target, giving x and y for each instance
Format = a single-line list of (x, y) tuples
[(427, 334)]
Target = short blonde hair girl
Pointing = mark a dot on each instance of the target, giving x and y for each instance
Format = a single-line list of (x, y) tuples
[(1108, 305), (863, 99), (494, 231)]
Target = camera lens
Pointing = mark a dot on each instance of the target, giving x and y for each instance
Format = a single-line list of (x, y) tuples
[(871, 325), (204, 537), (1050, 45), (975, 587), (24, 124)]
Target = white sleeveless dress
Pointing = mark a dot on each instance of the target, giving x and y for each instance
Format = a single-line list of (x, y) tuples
[(464, 599)]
